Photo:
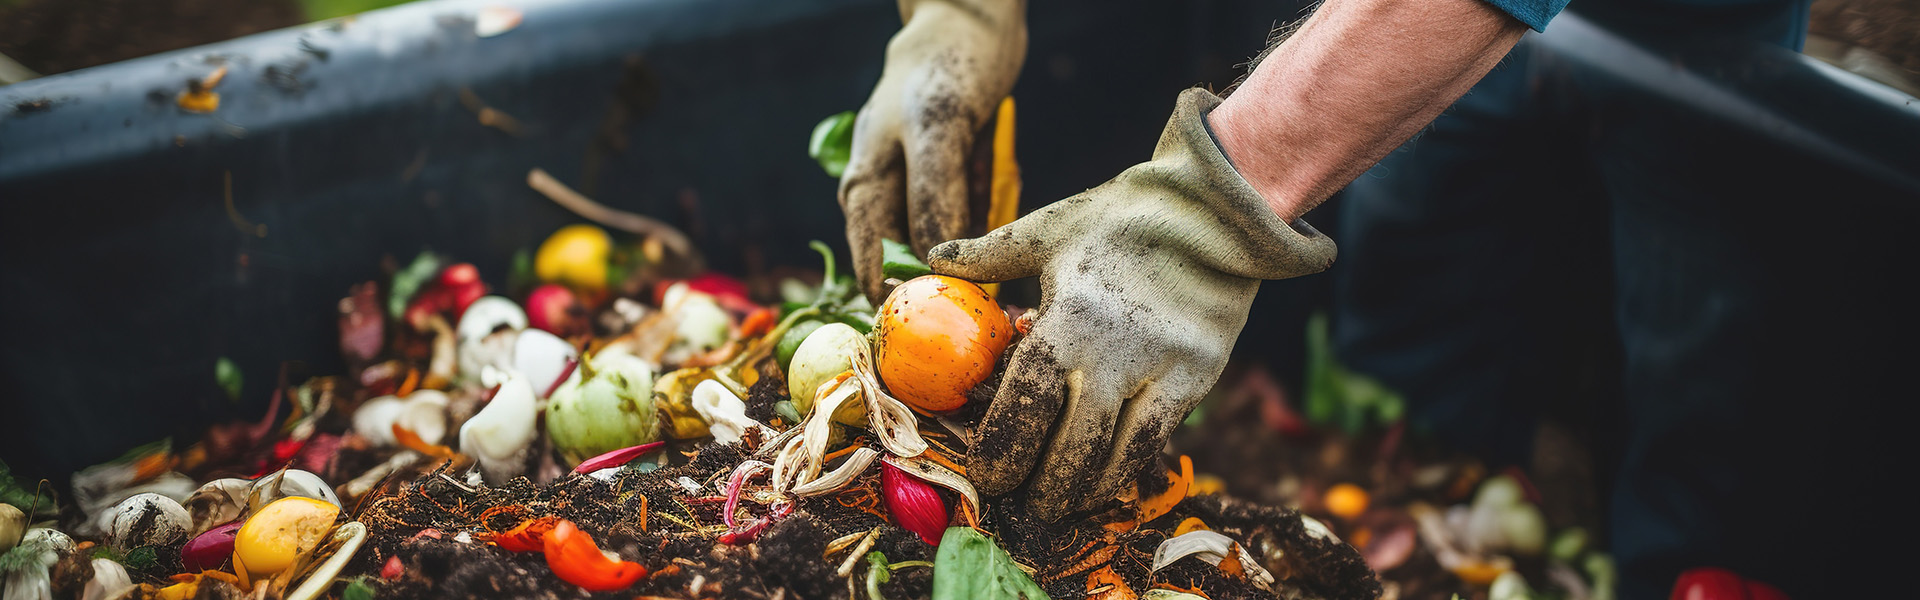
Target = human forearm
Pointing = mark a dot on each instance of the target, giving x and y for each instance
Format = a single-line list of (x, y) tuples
[(1357, 79)]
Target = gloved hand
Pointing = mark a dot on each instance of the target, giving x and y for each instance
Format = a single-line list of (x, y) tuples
[(946, 72), (1145, 282)]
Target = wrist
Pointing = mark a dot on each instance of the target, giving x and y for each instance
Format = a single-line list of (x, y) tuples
[(1259, 160)]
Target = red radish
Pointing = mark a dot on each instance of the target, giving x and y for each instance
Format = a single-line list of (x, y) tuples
[(393, 569), (209, 550), (914, 504), (554, 309)]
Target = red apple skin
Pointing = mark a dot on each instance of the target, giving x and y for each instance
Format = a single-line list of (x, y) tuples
[(459, 275), (551, 308), (463, 296), (1709, 583)]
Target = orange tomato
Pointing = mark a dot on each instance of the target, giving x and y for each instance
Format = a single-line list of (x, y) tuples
[(1346, 500), (939, 337)]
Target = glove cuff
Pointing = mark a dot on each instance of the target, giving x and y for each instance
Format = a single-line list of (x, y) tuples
[(1251, 240)]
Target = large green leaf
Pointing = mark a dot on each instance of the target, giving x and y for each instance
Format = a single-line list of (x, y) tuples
[(968, 566)]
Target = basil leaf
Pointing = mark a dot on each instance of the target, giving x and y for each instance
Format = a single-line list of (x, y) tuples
[(832, 143), (898, 261)]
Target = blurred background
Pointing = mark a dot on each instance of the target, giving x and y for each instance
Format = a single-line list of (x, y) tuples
[(1876, 38), (144, 242)]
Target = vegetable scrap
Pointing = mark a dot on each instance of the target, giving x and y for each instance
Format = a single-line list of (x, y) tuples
[(640, 429)]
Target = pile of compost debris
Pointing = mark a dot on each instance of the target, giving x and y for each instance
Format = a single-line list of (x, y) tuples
[(612, 428)]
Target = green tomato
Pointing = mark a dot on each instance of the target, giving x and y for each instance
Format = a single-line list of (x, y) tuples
[(606, 406), (820, 357), (790, 342)]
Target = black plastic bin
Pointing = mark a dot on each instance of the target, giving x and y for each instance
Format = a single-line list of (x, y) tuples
[(124, 276)]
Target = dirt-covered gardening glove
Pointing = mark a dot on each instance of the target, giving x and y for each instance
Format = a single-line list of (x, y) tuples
[(946, 71), (1145, 282)]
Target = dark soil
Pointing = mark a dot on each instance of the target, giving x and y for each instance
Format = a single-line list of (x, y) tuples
[(438, 526)]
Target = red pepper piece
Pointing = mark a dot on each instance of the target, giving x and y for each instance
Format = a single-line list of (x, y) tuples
[(529, 536), (574, 558)]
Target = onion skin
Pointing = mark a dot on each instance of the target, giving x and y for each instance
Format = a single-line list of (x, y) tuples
[(939, 337), (211, 549), (914, 504)]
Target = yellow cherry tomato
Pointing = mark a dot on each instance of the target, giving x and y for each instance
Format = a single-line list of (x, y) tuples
[(284, 529), (576, 255), (1346, 500)]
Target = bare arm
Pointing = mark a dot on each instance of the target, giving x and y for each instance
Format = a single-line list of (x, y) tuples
[(1359, 78)]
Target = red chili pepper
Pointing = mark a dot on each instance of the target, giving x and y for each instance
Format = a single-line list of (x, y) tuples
[(1709, 583), (573, 557), (529, 536)]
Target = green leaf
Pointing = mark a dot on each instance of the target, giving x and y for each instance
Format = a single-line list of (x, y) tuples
[(898, 261), (229, 377), (21, 497), (141, 558), (832, 143), (409, 281), (1335, 395), (877, 573), (520, 278), (358, 590), (969, 566)]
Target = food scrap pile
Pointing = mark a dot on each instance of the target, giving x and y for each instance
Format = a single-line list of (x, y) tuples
[(619, 424)]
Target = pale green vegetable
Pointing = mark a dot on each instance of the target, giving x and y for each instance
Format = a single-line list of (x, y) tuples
[(825, 354), (607, 406), (1568, 545), (700, 325), (1509, 586), (968, 566)]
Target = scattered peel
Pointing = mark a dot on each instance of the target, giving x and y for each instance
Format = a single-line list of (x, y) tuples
[(1104, 584)]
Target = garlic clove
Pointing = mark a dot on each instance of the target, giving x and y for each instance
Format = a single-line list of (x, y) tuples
[(544, 358), (110, 580), (374, 419), (725, 413), (148, 520), (499, 435)]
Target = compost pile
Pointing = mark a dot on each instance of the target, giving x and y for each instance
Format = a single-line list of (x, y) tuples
[(633, 427)]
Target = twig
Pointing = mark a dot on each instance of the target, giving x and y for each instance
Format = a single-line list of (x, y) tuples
[(615, 218)]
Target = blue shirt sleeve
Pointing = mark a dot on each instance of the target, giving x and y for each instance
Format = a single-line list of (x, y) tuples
[(1535, 13)]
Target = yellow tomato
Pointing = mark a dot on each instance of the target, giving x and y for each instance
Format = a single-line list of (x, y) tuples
[(939, 337), (273, 538), (576, 255)]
